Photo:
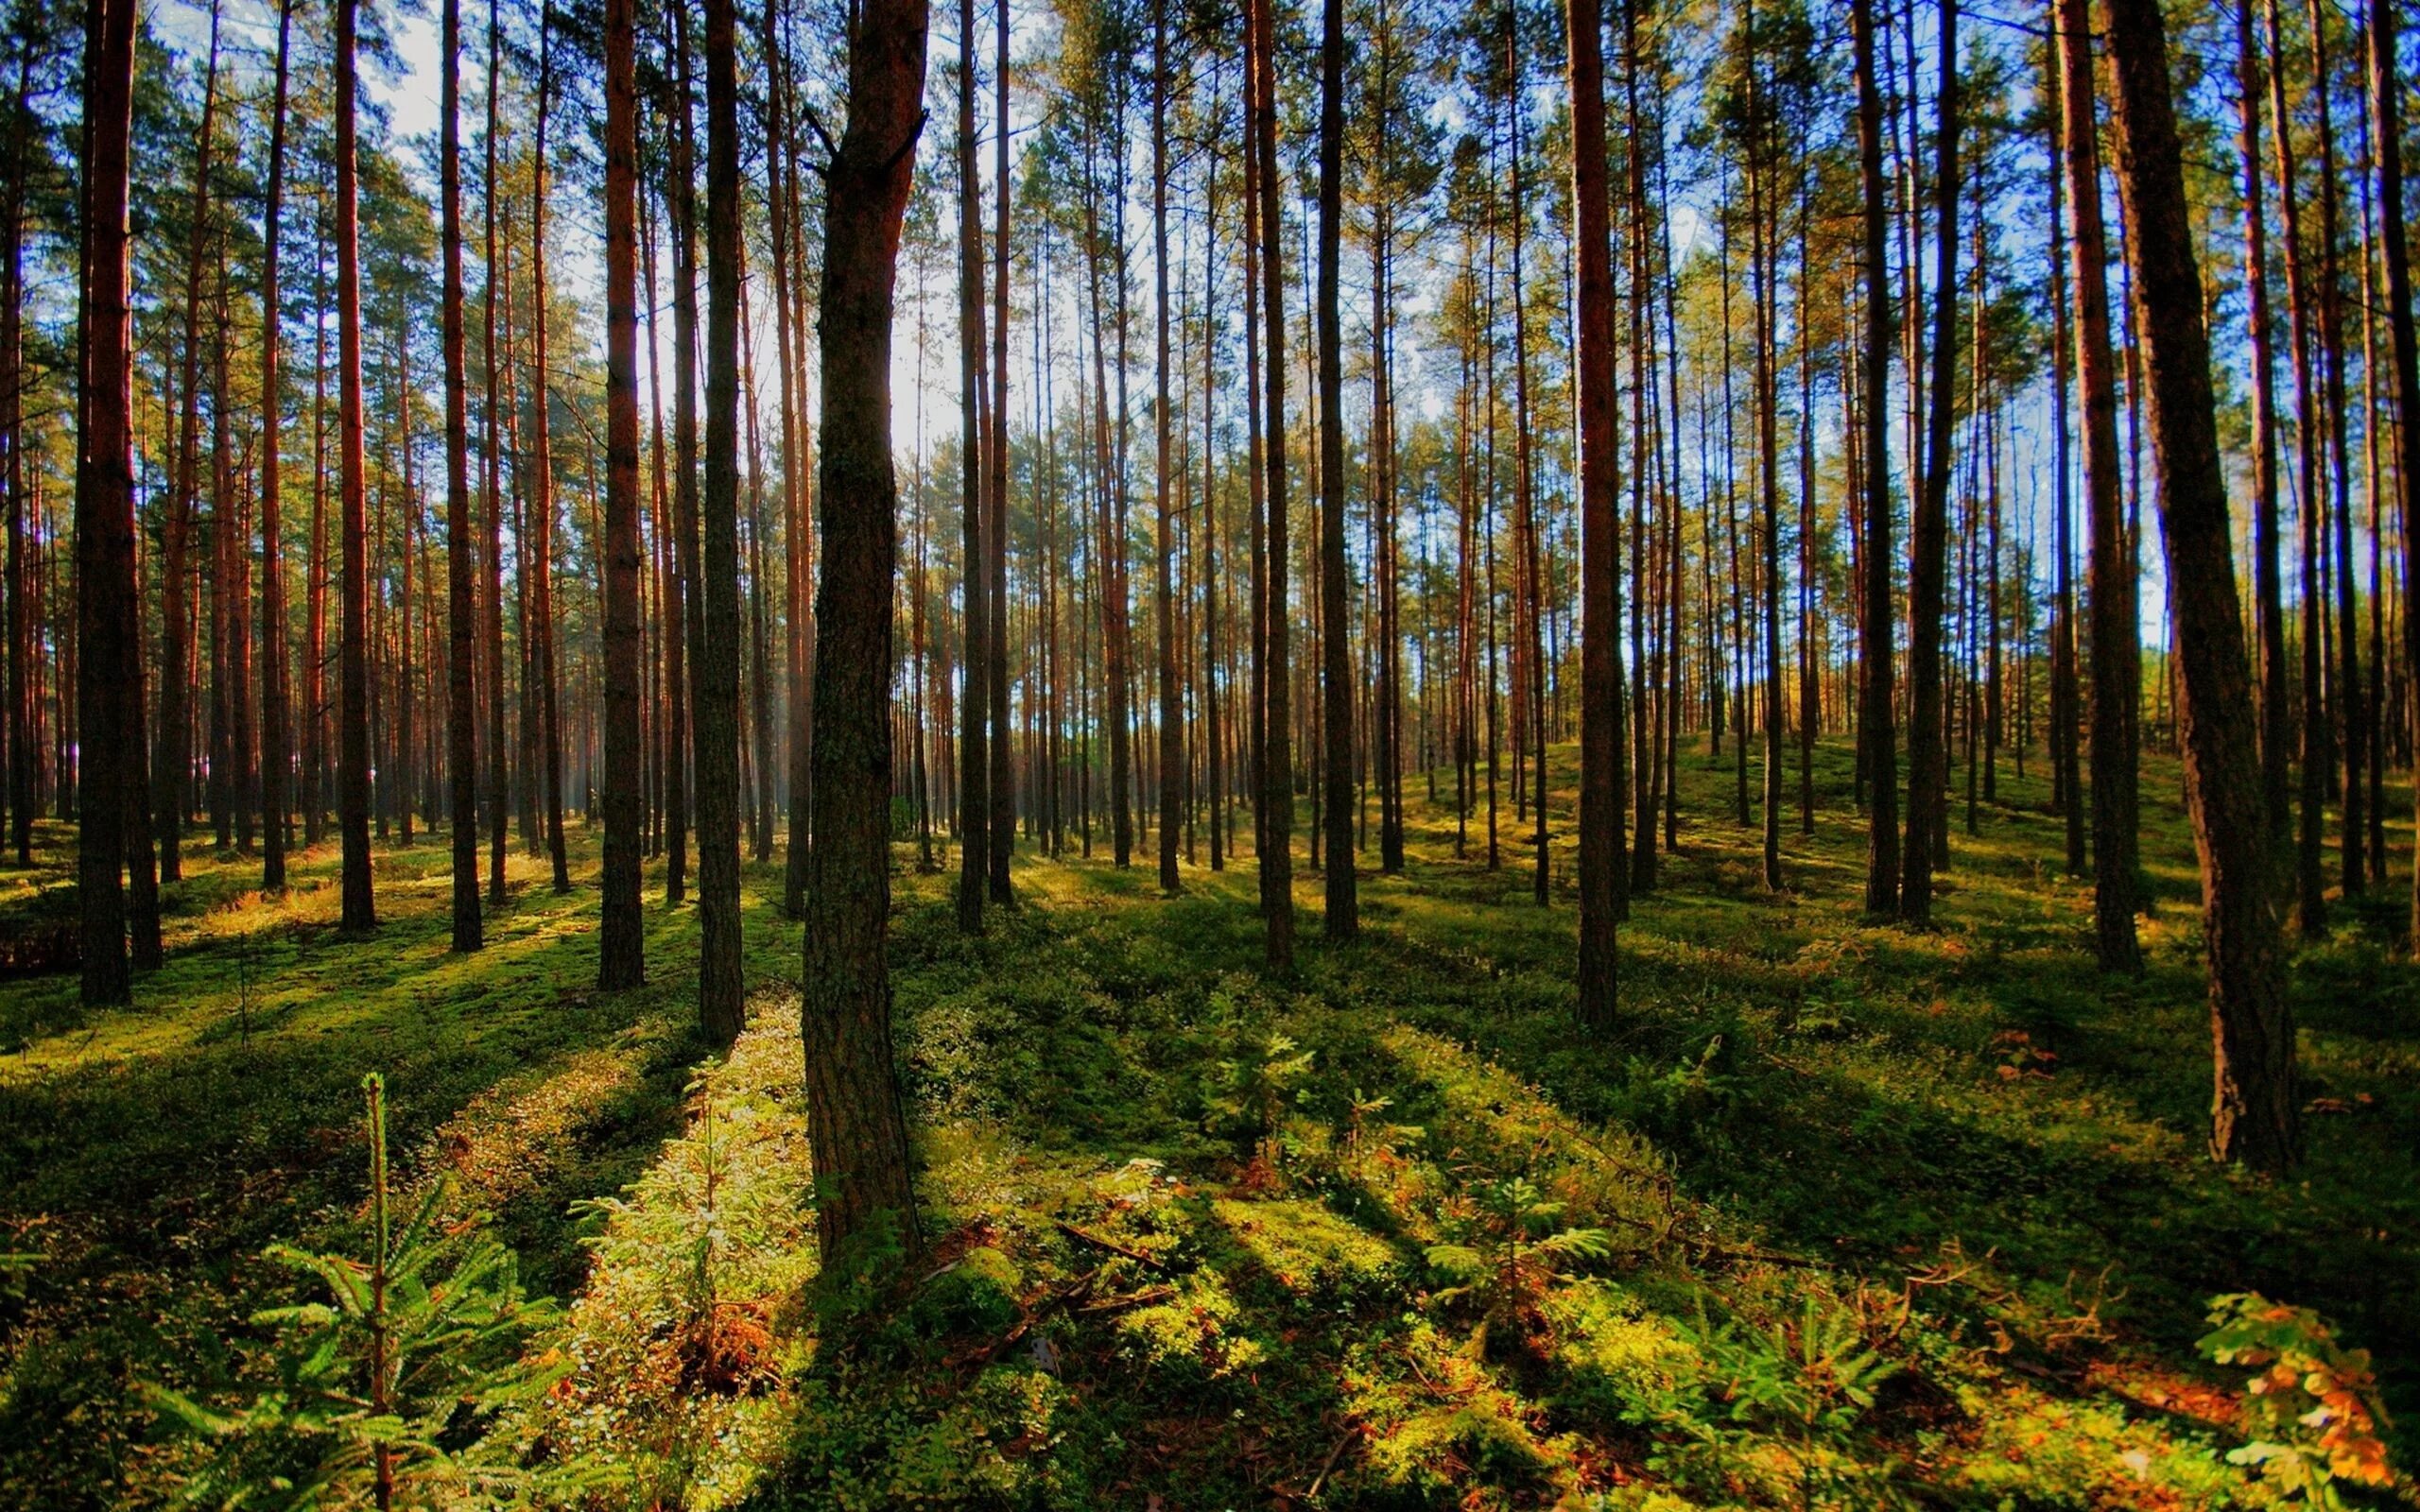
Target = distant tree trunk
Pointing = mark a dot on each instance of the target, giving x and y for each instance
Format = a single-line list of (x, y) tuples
[(1171, 742), (2332, 332), (1927, 768), (715, 690), (492, 461), (2267, 594), (353, 763), (1530, 585), (856, 1121), (1002, 788), (277, 738), (1601, 664), (2386, 134), (2117, 651), (974, 581), (1214, 739), (538, 551), (2254, 1109), (1277, 762), (781, 211), (22, 731), (1876, 738), (621, 935), (687, 627), (315, 588), (462, 617), (106, 616), (2067, 778), (172, 765), (1343, 909), (2308, 879)]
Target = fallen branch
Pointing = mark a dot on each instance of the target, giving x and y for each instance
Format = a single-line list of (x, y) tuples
[(1142, 1299), (1112, 1245), (1048, 1305)]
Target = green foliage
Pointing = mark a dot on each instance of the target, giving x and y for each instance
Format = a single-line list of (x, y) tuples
[(388, 1387), (1511, 1245), (2311, 1410)]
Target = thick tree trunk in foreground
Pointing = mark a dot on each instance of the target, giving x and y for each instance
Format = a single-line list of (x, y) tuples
[(621, 936), (855, 1120), (1343, 909), (2116, 654), (715, 695), (2254, 1110), (1601, 664), (353, 653), (105, 601)]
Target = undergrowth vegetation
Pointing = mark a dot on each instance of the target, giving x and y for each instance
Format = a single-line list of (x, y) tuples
[(1839, 1217)]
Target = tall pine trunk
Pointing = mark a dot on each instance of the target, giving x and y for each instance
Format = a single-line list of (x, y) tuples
[(1343, 909), (1276, 755), (1600, 666), (1877, 741), (1927, 755), (2253, 1108), (277, 737), (2116, 652), (106, 604), (353, 761), (715, 689), (621, 934), (856, 1121)]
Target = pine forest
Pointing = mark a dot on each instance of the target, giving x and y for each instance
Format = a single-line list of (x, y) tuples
[(1191, 754)]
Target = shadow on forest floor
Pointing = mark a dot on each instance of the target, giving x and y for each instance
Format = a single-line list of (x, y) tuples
[(1219, 1201)]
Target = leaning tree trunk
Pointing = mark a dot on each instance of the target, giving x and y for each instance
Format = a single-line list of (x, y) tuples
[(2254, 1109), (855, 1122), (621, 934)]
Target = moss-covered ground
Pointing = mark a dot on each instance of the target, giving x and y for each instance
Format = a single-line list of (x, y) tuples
[(1839, 1215)]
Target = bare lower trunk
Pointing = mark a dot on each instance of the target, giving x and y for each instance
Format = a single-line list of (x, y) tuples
[(2254, 1109), (855, 1120)]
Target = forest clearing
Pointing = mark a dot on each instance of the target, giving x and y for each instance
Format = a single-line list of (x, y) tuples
[(1201, 1205)]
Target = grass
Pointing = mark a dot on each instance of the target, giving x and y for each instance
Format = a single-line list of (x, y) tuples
[(1878, 1216)]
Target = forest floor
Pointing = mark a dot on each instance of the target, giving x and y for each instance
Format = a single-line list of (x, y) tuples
[(1840, 1216)]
